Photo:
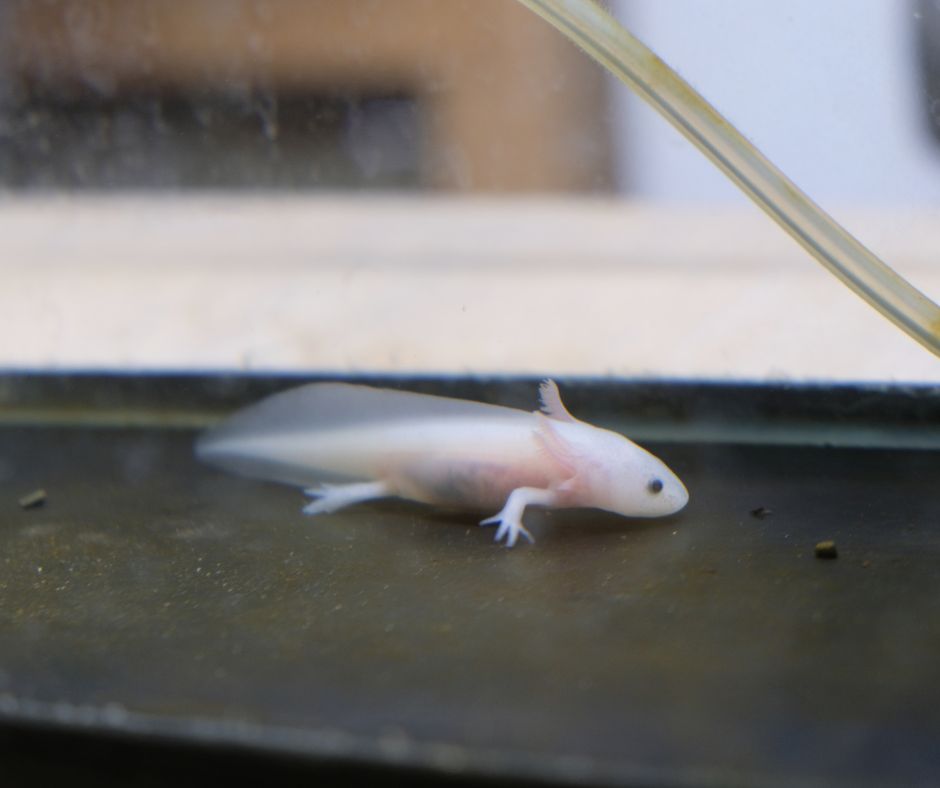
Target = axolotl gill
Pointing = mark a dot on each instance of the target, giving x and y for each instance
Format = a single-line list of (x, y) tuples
[(346, 443)]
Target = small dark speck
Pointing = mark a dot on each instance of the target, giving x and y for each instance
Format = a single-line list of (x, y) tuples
[(33, 500), (866, 564), (761, 512), (826, 549)]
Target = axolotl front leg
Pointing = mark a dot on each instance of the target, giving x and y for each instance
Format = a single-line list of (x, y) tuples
[(510, 516)]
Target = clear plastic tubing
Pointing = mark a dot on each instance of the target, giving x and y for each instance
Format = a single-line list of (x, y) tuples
[(604, 39)]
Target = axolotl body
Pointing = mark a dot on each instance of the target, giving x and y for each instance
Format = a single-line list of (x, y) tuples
[(351, 443)]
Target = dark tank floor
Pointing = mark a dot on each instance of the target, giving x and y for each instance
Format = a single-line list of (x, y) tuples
[(157, 615)]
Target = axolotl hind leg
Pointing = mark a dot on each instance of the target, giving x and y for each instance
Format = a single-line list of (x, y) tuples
[(510, 517), (330, 497)]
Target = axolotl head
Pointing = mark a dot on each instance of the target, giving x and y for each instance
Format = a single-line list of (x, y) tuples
[(617, 475), (645, 486)]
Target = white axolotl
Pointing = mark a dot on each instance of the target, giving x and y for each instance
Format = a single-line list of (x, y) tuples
[(348, 443)]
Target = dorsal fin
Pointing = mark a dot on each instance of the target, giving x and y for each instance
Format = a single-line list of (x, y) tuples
[(552, 406), (325, 406)]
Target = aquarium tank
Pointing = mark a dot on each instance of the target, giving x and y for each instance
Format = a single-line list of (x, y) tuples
[(298, 293)]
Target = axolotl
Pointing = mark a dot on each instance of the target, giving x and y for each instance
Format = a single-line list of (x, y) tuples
[(351, 443)]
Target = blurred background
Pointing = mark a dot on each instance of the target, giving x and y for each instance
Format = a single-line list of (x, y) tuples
[(298, 95), (313, 185)]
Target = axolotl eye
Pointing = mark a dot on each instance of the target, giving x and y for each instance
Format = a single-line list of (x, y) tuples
[(655, 486)]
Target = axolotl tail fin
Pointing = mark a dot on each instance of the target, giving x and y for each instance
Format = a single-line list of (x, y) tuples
[(266, 440)]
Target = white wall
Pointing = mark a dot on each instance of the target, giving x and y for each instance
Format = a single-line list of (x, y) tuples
[(828, 89)]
